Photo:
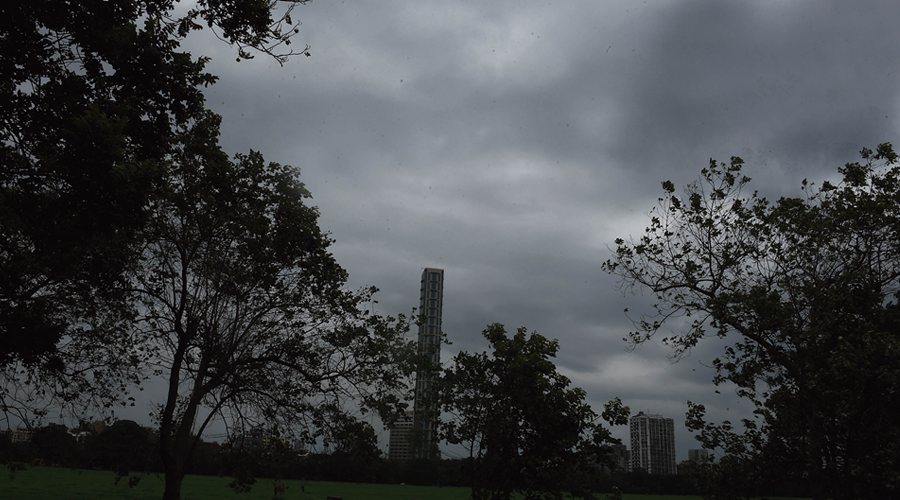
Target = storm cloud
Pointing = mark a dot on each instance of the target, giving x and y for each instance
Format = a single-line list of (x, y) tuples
[(510, 143)]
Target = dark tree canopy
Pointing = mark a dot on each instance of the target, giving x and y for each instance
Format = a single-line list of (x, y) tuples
[(92, 94), (806, 289), (131, 246), (526, 430)]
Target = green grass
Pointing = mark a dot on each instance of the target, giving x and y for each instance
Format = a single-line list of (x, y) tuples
[(40, 483)]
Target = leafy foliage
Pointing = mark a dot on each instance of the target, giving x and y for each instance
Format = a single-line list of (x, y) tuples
[(243, 309), (807, 291), (526, 431), (92, 94)]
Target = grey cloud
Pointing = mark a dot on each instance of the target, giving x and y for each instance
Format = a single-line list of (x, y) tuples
[(509, 143)]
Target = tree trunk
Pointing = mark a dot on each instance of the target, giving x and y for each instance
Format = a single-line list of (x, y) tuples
[(176, 443), (173, 485), (173, 465), (818, 480)]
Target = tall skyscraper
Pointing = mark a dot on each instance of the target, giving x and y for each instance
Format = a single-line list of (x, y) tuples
[(430, 304), (653, 444)]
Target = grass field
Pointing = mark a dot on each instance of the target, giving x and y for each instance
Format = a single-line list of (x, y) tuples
[(41, 483)]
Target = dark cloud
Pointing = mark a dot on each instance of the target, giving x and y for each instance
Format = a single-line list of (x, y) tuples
[(801, 86), (510, 142)]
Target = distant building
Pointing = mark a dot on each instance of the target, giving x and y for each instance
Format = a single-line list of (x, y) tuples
[(250, 440), (259, 438), (700, 455), (21, 435), (653, 444), (696, 457), (621, 459), (400, 440), (277, 442), (430, 305)]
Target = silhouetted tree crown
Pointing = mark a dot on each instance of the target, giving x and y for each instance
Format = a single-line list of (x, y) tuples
[(806, 291)]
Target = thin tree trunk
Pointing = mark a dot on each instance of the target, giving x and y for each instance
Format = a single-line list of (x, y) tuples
[(819, 482), (169, 442)]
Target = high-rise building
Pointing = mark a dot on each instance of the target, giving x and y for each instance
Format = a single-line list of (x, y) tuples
[(698, 455), (620, 457), (21, 435), (430, 304), (400, 438), (653, 444)]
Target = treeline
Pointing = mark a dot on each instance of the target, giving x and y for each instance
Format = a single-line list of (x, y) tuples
[(122, 447), (127, 448)]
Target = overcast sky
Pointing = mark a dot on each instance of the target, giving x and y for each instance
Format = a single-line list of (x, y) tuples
[(510, 142)]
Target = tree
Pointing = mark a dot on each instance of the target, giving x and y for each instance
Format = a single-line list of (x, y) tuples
[(525, 430), (54, 445), (126, 447), (243, 309), (92, 93), (806, 290)]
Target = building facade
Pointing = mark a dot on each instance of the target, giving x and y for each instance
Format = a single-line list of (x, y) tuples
[(400, 438), (653, 444), (431, 299), (21, 435), (698, 455), (620, 456)]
